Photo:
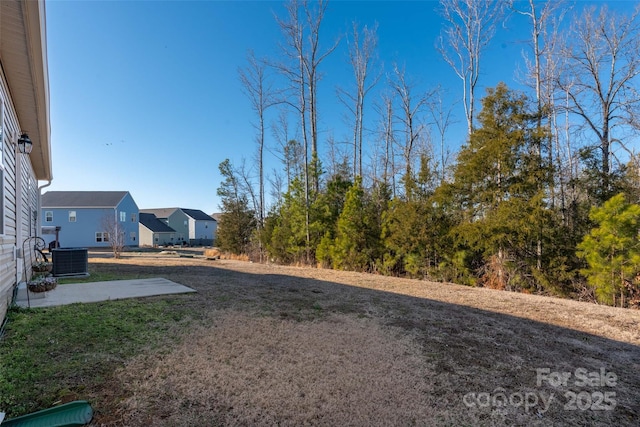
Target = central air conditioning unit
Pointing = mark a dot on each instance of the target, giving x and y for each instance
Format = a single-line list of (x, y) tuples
[(70, 262)]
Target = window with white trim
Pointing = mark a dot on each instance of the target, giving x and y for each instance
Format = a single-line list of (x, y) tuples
[(133, 217), (132, 235), (123, 216), (72, 216), (48, 216)]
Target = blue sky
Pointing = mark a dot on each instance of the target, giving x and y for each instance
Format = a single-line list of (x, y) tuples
[(145, 95)]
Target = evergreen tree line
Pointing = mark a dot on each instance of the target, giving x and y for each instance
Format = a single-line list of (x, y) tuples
[(537, 200)]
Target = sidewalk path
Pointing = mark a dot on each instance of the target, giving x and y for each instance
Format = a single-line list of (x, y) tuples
[(104, 291)]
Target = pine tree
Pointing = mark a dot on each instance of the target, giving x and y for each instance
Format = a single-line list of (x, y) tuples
[(612, 250), (353, 245), (287, 242), (497, 186), (237, 222), (329, 207), (414, 228)]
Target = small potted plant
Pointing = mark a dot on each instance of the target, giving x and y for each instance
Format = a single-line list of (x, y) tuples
[(42, 283), (42, 267)]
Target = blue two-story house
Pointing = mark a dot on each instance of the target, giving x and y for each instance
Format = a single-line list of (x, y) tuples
[(86, 218)]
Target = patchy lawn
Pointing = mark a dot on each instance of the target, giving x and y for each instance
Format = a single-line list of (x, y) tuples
[(267, 345)]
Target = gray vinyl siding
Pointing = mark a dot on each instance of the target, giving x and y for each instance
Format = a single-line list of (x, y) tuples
[(164, 238), (146, 236), (158, 238), (206, 230), (18, 203), (202, 233), (177, 222)]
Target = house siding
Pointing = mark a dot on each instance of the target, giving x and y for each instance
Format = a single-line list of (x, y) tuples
[(89, 221), (191, 226), (24, 106), (148, 237), (28, 205), (164, 238), (204, 232), (129, 206), (82, 232), (19, 201), (177, 221), (192, 229)]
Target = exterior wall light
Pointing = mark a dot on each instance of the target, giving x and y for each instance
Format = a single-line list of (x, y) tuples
[(24, 144)]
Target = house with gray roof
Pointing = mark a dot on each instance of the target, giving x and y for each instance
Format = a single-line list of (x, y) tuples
[(86, 218), (202, 228), (174, 218), (154, 232), (192, 226)]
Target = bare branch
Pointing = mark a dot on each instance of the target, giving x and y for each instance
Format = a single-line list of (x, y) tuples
[(602, 67), (470, 27)]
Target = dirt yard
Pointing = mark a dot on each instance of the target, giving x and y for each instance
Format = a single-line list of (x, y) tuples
[(273, 345)]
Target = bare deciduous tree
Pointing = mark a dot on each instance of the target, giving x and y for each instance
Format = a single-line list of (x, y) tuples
[(277, 186), (337, 156), (293, 69), (540, 17), (411, 105), (470, 27), (362, 55), (288, 150), (245, 176), (113, 233), (601, 77), (301, 29), (442, 116), (542, 80), (261, 96), (386, 142)]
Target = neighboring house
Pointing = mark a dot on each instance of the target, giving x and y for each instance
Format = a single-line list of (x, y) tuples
[(202, 228), (24, 109), (154, 232), (192, 226), (90, 218), (174, 218)]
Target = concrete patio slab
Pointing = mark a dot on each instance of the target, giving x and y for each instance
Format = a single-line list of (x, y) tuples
[(104, 291)]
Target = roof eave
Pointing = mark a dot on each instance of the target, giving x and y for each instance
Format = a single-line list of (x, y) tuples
[(24, 60)]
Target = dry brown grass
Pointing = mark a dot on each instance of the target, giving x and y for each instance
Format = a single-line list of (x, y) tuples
[(250, 370), (234, 257), (213, 253), (301, 346)]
